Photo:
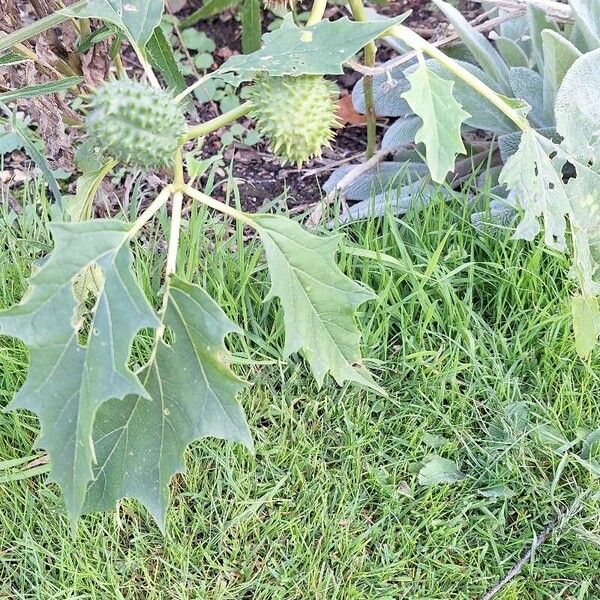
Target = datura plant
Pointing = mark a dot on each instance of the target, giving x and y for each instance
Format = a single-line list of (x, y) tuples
[(112, 432)]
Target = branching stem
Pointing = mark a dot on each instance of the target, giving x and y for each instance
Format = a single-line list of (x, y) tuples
[(358, 11), (176, 210), (317, 12), (192, 87), (147, 68), (220, 206), (227, 118), (147, 215), (416, 42)]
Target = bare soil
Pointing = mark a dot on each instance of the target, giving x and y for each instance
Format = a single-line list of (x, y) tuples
[(259, 175)]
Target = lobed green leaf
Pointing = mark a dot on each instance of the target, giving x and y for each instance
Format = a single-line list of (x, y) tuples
[(318, 300), (68, 382)]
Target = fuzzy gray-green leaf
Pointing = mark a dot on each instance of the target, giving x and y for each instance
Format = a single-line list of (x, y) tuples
[(481, 48), (578, 109), (587, 18), (559, 56)]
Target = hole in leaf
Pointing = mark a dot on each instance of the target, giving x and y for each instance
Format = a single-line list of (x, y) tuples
[(168, 336), (87, 284), (553, 155), (568, 171)]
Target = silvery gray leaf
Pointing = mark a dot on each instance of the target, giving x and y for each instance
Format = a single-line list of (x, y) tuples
[(511, 52), (415, 196), (387, 92), (487, 56), (538, 22), (401, 133), (375, 181), (587, 18), (528, 85)]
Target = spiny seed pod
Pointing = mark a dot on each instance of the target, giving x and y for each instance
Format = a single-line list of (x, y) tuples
[(297, 115), (135, 124)]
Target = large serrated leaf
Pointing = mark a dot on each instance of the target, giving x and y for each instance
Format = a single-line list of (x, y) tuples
[(137, 18), (318, 50), (318, 300), (534, 177), (482, 113), (67, 382), (430, 97), (140, 442)]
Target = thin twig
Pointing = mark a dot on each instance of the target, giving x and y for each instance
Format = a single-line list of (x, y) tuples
[(400, 60), (557, 10), (332, 165), (350, 177), (518, 567), (564, 515)]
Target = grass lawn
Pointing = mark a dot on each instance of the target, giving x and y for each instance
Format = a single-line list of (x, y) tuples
[(470, 336)]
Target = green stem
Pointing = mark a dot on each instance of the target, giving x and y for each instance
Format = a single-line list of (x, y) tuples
[(212, 203), (416, 42), (221, 121), (156, 205), (358, 11), (192, 87), (176, 210), (174, 232), (147, 68), (317, 12)]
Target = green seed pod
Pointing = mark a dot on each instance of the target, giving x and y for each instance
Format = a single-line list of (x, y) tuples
[(297, 115), (135, 124)]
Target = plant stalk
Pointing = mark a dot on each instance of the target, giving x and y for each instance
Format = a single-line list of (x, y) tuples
[(358, 11), (147, 68), (317, 12), (416, 42), (147, 215), (223, 120), (176, 210), (192, 87), (212, 203)]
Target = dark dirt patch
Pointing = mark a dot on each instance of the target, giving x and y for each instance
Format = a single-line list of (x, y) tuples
[(260, 176)]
